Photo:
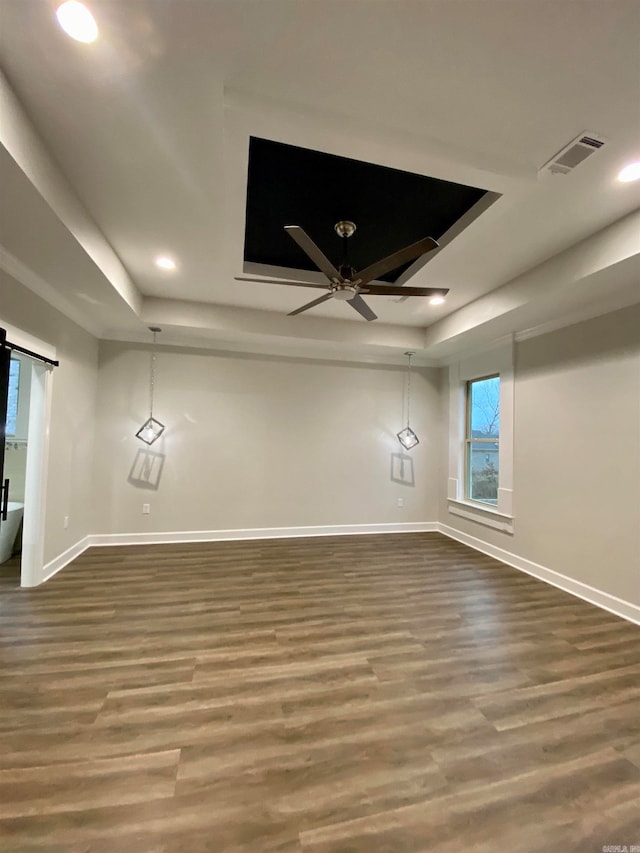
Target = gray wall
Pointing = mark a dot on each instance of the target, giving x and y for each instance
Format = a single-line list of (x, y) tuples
[(256, 441), (577, 455)]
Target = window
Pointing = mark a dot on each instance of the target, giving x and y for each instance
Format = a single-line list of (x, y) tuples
[(482, 440), (481, 405), (12, 403)]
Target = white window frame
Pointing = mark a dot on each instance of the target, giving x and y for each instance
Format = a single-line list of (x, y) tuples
[(469, 440), (496, 362)]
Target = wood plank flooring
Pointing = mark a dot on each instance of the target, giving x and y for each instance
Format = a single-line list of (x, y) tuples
[(363, 694)]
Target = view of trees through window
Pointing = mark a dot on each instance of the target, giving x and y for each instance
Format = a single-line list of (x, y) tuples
[(483, 439)]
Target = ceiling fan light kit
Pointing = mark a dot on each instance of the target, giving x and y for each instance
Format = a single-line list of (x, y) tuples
[(345, 228), (347, 285), (344, 292)]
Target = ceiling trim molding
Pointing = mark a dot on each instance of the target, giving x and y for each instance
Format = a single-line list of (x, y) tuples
[(36, 284), (24, 145), (290, 350), (580, 315), (246, 329), (228, 318), (446, 160), (477, 350), (606, 249)]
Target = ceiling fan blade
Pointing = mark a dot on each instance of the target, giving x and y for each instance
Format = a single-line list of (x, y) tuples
[(392, 262), (362, 308), (313, 252), (315, 302), (393, 290), (281, 281)]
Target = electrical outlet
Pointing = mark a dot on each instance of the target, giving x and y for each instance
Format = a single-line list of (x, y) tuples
[(400, 502), (146, 509), (66, 522)]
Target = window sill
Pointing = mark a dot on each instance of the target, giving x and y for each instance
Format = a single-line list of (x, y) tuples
[(486, 515)]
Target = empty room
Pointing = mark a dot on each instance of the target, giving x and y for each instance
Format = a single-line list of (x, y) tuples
[(320, 412)]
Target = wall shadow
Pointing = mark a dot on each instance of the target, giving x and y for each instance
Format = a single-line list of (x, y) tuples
[(402, 469), (146, 470)]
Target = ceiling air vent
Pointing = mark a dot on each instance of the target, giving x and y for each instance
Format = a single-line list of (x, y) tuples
[(573, 154)]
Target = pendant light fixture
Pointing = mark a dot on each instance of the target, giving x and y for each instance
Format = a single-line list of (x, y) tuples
[(407, 436), (151, 429)]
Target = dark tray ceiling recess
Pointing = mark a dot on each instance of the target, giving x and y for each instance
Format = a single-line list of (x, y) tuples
[(288, 185)]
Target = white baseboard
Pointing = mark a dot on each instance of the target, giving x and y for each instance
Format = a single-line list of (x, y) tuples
[(260, 533), (62, 560), (611, 603), (615, 605)]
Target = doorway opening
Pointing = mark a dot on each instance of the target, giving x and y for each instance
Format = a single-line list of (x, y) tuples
[(26, 396), (15, 463)]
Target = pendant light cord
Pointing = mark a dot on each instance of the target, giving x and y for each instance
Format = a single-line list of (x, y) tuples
[(409, 354), (152, 381)]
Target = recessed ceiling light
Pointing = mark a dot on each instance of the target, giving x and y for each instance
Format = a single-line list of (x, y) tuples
[(165, 263), (77, 21), (629, 173), (436, 300)]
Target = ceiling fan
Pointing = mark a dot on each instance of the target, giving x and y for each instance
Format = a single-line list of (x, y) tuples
[(345, 283)]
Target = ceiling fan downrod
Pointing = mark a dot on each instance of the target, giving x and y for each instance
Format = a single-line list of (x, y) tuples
[(345, 229)]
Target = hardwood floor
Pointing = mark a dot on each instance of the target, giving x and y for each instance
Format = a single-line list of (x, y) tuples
[(363, 694)]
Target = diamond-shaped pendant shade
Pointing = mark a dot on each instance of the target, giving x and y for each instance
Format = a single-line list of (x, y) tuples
[(150, 430), (408, 438)]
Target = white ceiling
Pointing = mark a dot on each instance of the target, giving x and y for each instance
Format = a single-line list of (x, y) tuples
[(145, 137)]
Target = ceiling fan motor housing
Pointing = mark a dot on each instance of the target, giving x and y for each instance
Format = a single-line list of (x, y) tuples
[(345, 228), (347, 272)]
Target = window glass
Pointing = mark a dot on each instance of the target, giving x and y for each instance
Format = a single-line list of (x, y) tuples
[(12, 403), (483, 465), (485, 407), (483, 440)]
